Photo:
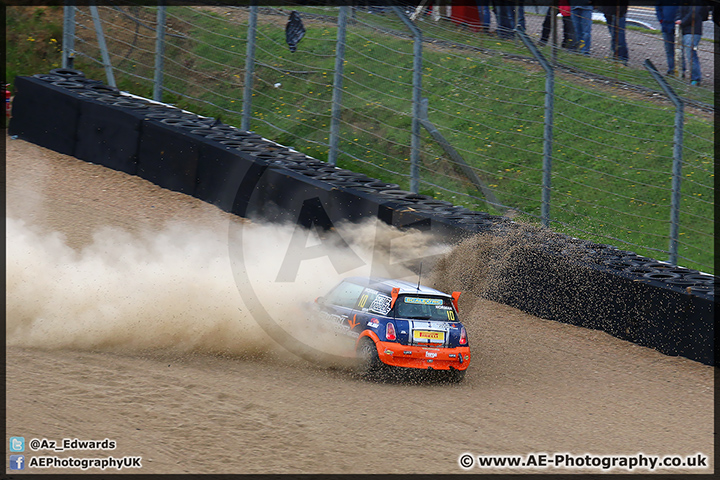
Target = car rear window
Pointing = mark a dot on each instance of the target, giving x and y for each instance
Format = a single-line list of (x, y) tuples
[(425, 308)]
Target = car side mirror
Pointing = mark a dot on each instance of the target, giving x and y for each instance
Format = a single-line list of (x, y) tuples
[(320, 301)]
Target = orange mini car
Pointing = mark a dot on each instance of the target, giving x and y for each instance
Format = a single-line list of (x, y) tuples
[(399, 324)]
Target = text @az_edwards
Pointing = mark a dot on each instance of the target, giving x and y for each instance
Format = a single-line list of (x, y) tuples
[(587, 461), (71, 444)]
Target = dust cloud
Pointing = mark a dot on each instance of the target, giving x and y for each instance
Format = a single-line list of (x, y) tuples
[(185, 288)]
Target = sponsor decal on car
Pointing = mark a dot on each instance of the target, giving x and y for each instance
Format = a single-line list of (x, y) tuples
[(382, 304), (338, 324), (424, 301), (427, 335)]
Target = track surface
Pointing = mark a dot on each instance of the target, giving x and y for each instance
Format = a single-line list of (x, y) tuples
[(534, 385)]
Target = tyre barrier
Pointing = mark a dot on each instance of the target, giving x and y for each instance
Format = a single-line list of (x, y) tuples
[(46, 113), (67, 72), (226, 178), (643, 306), (632, 297), (108, 132), (168, 156)]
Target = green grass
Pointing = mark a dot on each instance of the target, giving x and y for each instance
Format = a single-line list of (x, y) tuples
[(33, 40), (610, 182)]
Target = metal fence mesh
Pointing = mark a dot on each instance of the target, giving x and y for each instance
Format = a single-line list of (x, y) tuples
[(612, 124)]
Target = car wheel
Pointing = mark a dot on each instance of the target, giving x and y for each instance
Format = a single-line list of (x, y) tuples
[(369, 363)]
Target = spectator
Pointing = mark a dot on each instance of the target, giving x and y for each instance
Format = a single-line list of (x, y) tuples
[(484, 14), (615, 18), (691, 16), (504, 16), (519, 14), (506, 12), (568, 29), (581, 11), (666, 12)]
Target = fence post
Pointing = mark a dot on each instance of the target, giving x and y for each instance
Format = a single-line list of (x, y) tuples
[(249, 67), (159, 52), (554, 26), (68, 54), (490, 197), (548, 132), (678, 51), (677, 160), (103, 47), (416, 101), (337, 86)]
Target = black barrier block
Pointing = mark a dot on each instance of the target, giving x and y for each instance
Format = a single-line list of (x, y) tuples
[(226, 177), (643, 311), (109, 135), (168, 156), (668, 318), (406, 217), (280, 193), (459, 227), (45, 114), (274, 197), (653, 314), (352, 206)]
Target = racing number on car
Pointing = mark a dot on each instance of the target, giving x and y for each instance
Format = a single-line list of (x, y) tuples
[(363, 301), (451, 315)]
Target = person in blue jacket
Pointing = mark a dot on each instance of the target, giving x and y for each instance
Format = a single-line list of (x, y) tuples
[(691, 16), (666, 12)]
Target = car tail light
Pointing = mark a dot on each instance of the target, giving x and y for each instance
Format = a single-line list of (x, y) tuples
[(390, 331), (463, 336)]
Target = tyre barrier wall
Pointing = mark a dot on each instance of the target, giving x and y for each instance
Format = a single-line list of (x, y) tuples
[(634, 298)]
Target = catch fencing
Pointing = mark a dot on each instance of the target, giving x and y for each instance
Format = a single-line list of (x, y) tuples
[(585, 145)]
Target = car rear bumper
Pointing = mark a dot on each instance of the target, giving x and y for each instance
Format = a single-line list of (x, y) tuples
[(397, 355)]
